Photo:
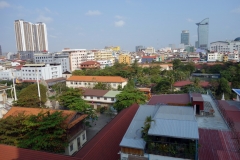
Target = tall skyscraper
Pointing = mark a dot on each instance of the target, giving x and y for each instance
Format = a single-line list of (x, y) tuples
[(203, 33), (0, 50), (185, 37), (139, 48), (31, 37)]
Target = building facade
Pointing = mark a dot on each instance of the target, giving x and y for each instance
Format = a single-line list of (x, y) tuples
[(225, 46), (90, 81), (185, 37), (139, 48), (124, 58), (41, 71), (30, 37), (57, 57), (203, 33)]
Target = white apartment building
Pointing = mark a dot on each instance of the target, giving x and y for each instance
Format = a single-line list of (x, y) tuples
[(41, 71), (76, 57), (91, 81), (106, 63), (149, 50), (48, 58), (233, 56), (30, 37), (9, 74), (225, 46), (104, 54), (215, 56)]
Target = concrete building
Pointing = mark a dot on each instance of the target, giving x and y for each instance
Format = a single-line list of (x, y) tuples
[(90, 81), (149, 50), (203, 33), (0, 50), (106, 63), (114, 48), (43, 71), (76, 57), (226, 46), (185, 37), (30, 37), (100, 98), (57, 57), (139, 48), (124, 58), (90, 65), (103, 54), (166, 129)]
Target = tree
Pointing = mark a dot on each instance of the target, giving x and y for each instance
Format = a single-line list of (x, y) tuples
[(12, 129), (78, 73), (73, 101), (163, 86), (176, 64), (223, 87), (28, 97), (128, 97), (147, 125), (46, 132)]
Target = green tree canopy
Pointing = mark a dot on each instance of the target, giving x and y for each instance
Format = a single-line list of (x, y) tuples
[(128, 97), (72, 100), (45, 131), (28, 97)]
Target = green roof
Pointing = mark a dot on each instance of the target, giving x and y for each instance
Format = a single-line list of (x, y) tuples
[(112, 93)]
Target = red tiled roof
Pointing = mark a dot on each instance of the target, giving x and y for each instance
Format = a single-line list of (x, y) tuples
[(34, 111), (14, 153), (184, 83), (105, 145), (170, 99), (94, 92), (113, 79), (89, 63)]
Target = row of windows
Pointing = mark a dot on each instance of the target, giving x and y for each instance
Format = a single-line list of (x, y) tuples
[(99, 98), (30, 70), (88, 83)]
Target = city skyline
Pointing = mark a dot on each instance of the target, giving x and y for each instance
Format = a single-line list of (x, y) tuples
[(130, 23)]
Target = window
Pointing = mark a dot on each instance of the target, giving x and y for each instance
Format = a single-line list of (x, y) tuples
[(105, 98), (78, 141), (85, 96), (91, 97), (112, 99), (71, 147), (83, 136), (71, 82), (98, 97)]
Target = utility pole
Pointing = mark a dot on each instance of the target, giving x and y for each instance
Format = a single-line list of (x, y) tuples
[(14, 89), (39, 95)]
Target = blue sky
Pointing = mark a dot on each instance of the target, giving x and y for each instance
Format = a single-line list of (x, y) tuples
[(88, 24)]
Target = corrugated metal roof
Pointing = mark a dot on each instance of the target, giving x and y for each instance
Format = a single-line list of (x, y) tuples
[(112, 93), (133, 143), (175, 112), (174, 128), (132, 137)]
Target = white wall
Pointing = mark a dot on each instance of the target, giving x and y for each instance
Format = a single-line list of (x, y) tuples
[(77, 84), (74, 143), (47, 72)]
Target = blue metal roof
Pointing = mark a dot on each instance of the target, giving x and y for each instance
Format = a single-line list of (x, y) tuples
[(237, 91)]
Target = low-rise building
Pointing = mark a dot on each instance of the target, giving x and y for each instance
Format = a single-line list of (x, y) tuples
[(75, 126), (100, 98), (90, 81), (90, 65)]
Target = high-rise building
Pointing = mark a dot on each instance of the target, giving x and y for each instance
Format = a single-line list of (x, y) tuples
[(139, 48), (203, 33), (0, 50), (185, 37), (30, 37)]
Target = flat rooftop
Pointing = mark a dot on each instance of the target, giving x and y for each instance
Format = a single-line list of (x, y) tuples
[(216, 122)]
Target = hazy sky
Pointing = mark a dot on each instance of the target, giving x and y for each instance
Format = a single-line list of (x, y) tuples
[(88, 24)]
